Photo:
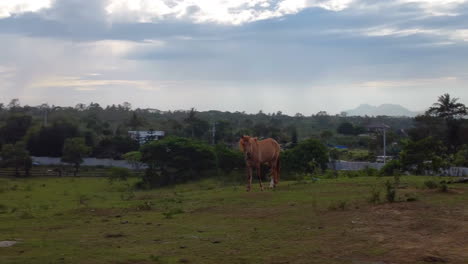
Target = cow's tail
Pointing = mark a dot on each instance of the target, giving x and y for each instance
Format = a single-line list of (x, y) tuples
[(278, 169)]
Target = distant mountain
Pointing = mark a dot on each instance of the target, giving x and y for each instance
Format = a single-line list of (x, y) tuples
[(385, 109)]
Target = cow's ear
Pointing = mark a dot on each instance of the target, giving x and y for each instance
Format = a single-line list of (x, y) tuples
[(256, 139), (241, 144)]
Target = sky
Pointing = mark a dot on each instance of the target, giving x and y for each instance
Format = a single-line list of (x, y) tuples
[(294, 56)]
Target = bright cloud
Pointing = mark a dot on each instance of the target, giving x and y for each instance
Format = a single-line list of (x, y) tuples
[(219, 11), (10, 7)]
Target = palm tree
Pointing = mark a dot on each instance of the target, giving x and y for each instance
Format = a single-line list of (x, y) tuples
[(447, 108)]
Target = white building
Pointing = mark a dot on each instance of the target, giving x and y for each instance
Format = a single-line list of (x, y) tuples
[(146, 136)]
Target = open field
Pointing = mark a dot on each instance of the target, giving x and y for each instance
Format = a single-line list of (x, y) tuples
[(88, 220)]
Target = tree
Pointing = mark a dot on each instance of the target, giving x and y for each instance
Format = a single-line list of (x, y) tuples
[(447, 108), (16, 155), (451, 111), (326, 135), (49, 141), (307, 156), (228, 159), (135, 121), (423, 155), (346, 128), (15, 128), (14, 105), (74, 150), (134, 158), (175, 159)]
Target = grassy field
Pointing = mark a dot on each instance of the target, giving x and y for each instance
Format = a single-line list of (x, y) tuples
[(88, 220)]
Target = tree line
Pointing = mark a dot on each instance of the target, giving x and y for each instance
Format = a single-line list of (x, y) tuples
[(438, 137)]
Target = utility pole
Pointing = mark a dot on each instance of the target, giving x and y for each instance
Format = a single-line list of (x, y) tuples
[(384, 145)]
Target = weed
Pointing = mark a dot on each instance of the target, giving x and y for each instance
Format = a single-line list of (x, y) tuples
[(170, 213), (375, 196), (145, 206), (443, 187), (390, 192), (411, 197), (25, 215), (431, 184), (156, 259), (83, 200), (340, 205)]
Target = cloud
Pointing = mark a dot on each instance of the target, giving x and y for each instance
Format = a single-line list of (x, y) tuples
[(306, 55), (12, 7)]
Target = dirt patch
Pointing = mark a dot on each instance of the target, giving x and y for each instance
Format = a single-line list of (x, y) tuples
[(415, 232), (7, 243)]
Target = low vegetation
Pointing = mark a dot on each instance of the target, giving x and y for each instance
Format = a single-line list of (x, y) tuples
[(211, 221)]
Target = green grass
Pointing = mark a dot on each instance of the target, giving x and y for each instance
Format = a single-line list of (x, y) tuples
[(89, 220)]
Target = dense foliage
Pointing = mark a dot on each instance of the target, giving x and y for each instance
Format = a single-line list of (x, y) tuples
[(175, 159), (308, 156)]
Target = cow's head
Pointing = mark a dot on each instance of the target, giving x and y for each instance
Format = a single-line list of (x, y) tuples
[(246, 144)]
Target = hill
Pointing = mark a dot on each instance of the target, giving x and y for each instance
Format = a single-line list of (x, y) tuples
[(382, 110)]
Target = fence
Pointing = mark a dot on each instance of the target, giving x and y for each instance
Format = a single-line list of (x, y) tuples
[(92, 162), (64, 172), (353, 166)]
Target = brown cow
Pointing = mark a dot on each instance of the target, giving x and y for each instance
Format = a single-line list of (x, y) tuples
[(258, 152)]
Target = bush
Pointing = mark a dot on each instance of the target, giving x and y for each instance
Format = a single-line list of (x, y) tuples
[(375, 196), (443, 187), (391, 168), (175, 160), (307, 157), (368, 171), (461, 157), (228, 159), (431, 184), (390, 192), (120, 174)]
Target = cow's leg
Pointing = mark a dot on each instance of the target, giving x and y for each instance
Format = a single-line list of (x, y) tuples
[(272, 175), (259, 174), (249, 178)]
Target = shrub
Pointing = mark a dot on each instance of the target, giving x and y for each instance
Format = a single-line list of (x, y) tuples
[(368, 171), (390, 192), (308, 156), (431, 184), (391, 168), (424, 155), (174, 160), (443, 187), (228, 159), (375, 196), (119, 174), (339, 205)]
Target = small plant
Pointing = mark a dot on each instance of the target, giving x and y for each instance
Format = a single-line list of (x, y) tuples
[(375, 196), (431, 184), (340, 205), (83, 200), (170, 213), (443, 187), (390, 192), (26, 215), (411, 197), (156, 259), (118, 174), (391, 168), (145, 206)]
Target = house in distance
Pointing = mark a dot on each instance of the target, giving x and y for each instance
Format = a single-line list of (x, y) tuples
[(146, 136)]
